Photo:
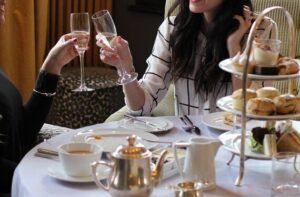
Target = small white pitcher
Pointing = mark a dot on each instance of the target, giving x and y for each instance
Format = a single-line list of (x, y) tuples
[(199, 164)]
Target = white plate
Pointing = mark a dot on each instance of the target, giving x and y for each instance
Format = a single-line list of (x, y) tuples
[(215, 120), (56, 171), (225, 104), (232, 142), (227, 66), (163, 124), (116, 137)]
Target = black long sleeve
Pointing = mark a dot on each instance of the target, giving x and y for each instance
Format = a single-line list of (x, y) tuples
[(21, 123)]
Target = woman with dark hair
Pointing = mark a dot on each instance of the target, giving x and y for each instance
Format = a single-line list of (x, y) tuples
[(187, 51)]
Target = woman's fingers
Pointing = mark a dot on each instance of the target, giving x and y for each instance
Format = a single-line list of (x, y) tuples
[(248, 14), (68, 36), (244, 21), (104, 46)]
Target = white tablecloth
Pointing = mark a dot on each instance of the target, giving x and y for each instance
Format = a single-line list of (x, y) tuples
[(31, 178)]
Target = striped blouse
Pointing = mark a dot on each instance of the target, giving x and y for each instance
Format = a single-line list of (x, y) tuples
[(157, 78)]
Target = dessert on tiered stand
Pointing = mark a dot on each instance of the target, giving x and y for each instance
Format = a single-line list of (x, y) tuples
[(261, 61)]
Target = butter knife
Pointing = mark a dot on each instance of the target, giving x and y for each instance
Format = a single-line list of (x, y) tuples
[(147, 123)]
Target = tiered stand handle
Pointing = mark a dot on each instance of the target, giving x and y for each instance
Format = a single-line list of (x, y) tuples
[(292, 48)]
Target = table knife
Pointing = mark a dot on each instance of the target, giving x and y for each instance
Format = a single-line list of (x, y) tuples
[(147, 123)]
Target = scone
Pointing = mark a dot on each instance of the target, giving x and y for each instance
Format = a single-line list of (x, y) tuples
[(267, 92), (286, 104), (261, 106), (287, 66), (237, 98)]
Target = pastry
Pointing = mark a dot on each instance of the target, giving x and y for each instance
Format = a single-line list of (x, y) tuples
[(261, 106), (287, 104), (237, 98), (239, 62), (267, 92), (289, 142), (287, 66), (228, 118)]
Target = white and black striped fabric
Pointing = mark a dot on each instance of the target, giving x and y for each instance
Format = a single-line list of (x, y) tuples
[(157, 77)]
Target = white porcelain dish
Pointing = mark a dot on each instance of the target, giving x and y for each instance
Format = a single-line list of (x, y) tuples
[(112, 138), (232, 142), (56, 171), (215, 120)]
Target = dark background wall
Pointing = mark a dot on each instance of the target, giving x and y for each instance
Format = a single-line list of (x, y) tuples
[(137, 21)]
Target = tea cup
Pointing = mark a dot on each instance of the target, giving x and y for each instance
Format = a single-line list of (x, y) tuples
[(77, 157)]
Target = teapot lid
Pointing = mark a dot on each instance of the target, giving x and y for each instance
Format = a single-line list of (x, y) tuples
[(132, 150)]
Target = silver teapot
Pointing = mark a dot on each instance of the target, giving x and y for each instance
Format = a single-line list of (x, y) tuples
[(131, 173)]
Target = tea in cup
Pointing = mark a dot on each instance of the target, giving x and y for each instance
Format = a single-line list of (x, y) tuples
[(77, 157)]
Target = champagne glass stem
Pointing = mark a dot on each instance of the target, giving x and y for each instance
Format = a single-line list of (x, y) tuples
[(81, 60)]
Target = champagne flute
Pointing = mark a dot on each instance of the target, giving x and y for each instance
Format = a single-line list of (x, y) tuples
[(80, 28), (106, 30)]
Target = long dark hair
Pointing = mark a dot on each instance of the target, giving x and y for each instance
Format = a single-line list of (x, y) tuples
[(184, 43)]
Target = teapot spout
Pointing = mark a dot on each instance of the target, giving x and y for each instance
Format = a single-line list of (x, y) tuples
[(157, 171)]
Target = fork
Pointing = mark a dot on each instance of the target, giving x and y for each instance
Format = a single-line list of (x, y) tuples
[(194, 128)]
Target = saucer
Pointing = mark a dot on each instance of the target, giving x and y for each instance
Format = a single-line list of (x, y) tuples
[(56, 171)]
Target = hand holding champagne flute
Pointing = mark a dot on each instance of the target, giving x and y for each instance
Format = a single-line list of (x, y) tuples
[(80, 28), (106, 30)]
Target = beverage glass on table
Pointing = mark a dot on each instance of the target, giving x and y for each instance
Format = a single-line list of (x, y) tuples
[(77, 157), (106, 30), (285, 178), (80, 28)]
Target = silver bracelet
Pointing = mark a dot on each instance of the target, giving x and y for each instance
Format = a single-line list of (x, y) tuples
[(44, 93)]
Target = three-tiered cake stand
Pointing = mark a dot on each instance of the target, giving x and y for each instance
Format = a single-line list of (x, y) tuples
[(225, 103)]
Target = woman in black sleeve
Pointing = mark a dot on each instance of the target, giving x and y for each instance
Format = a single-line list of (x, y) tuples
[(20, 124)]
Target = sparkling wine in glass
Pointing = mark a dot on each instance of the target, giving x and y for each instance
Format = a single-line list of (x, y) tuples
[(80, 28), (106, 30)]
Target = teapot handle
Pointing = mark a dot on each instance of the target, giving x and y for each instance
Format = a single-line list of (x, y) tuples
[(175, 146), (94, 166)]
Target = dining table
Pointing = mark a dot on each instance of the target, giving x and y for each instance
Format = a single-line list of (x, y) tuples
[(31, 177)]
